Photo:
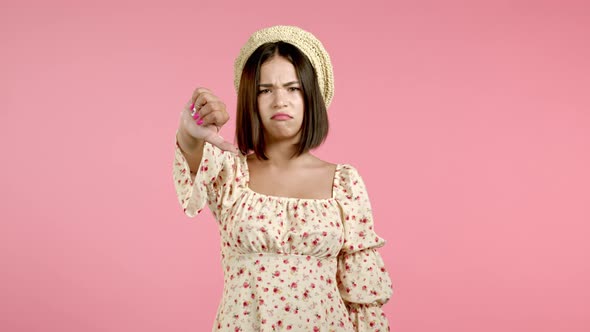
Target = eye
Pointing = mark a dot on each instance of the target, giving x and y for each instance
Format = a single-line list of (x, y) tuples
[(263, 91), (294, 88)]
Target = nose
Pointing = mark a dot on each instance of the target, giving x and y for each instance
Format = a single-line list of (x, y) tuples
[(280, 98)]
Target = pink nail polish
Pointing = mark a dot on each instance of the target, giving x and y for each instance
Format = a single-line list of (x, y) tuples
[(196, 116), (200, 122), (192, 106)]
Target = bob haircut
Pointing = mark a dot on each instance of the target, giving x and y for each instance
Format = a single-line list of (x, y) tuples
[(249, 129)]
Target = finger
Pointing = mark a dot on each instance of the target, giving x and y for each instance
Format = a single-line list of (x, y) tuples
[(208, 119), (204, 97), (196, 93), (186, 118), (192, 111), (214, 112), (224, 145), (185, 113), (212, 107), (216, 107), (199, 91)]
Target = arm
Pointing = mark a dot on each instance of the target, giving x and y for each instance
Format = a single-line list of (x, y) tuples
[(199, 151), (199, 124), (192, 149), (363, 280)]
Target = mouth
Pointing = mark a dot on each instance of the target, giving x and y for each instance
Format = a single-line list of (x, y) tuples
[(281, 116)]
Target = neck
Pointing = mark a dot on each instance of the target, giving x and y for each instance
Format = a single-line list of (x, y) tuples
[(280, 153)]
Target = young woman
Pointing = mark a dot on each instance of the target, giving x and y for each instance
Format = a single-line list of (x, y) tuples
[(298, 245)]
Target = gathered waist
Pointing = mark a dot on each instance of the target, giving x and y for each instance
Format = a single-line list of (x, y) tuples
[(273, 254), (278, 267)]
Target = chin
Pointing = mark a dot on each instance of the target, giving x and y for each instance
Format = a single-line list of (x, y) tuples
[(294, 137)]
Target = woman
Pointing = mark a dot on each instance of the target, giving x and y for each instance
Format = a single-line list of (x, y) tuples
[(298, 243)]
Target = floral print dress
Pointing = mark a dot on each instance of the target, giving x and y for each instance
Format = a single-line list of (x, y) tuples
[(289, 264)]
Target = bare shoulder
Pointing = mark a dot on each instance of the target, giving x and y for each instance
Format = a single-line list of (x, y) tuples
[(319, 164)]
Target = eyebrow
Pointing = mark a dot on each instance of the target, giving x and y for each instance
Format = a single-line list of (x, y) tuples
[(270, 85)]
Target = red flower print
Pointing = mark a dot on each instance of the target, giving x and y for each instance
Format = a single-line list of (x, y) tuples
[(306, 246)]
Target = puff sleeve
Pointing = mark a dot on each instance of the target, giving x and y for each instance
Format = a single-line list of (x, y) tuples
[(363, 282), (207, 187)]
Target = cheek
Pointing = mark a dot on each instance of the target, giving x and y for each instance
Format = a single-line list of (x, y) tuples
[(264, 103), (301, 108)]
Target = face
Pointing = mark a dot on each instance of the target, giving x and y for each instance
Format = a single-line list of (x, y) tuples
[(280, 100)]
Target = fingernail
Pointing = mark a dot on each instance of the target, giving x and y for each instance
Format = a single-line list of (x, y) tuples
[(196, 116), (200, 122), (192, 106)]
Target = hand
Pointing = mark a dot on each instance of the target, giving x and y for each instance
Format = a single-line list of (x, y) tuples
[(205, 118)]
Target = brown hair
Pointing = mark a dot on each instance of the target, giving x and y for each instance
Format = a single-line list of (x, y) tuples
[(249, 130)]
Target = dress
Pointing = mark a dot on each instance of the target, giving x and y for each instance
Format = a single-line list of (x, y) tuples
[(289, 264)]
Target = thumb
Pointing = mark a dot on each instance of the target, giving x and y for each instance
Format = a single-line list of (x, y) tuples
[(219, 142)]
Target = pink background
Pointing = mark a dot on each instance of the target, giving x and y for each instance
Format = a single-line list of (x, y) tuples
[(468, 120)]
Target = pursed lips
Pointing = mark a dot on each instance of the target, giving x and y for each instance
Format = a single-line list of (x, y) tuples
[(281, 116)]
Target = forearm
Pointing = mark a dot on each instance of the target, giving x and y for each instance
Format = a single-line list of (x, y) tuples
[(192, 149)]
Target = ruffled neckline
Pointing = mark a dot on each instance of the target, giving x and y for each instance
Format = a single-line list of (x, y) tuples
[(246, 181)]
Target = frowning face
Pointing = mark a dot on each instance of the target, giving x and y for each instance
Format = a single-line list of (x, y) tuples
[(280, 100)]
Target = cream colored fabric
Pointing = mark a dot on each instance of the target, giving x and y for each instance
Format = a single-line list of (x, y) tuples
[(289, 264), (304, 41)]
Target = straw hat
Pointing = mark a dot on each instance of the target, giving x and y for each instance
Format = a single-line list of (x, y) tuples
[(304, 41)]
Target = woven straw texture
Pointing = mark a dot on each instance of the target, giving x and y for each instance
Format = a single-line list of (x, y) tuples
[(303, 40)]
